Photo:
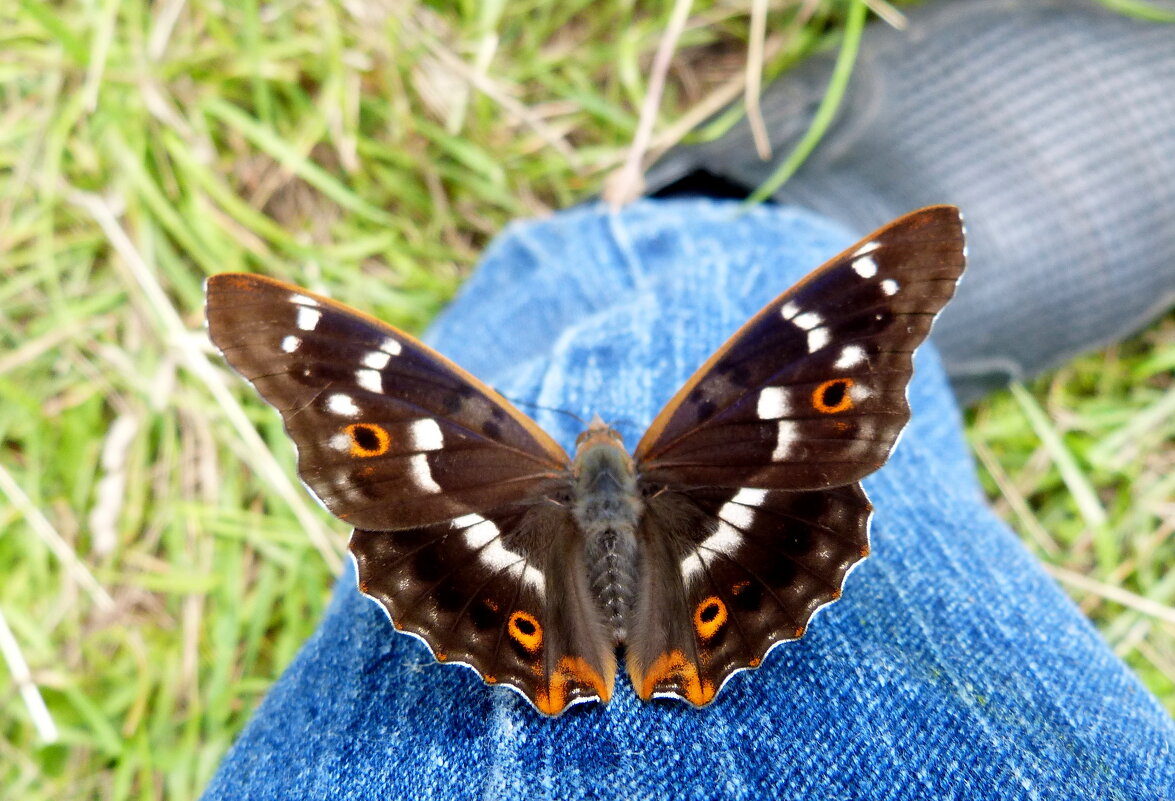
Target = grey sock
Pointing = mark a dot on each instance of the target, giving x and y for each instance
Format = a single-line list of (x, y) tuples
[(1051, 124)]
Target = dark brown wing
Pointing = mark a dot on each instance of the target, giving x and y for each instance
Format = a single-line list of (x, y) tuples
[(506, 595), (753, 515), (390, 434), (455, 495), (811, 393), (729, 576)]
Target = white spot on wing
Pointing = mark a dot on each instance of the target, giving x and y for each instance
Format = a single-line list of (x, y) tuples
[(749, 497), (342, 404), (737, 515), (303, 300), (370, 380), (865, 266), (426, 435), (890, 286), (421, 475), (724, 540), (483, 536), (391, 346), (308, 318), (772, 403), (290, 343), (377, 359), (340, 442), (789, 310), (534, 577), (808, 320), (868, 247), (817, 339), (477, 531), (785, 437), (851, 356)]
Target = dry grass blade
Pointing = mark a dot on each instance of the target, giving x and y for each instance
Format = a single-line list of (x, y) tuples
[(754, 76), (485, 84), (627, 183), (1109, 592), (41, 526), (23, 679)]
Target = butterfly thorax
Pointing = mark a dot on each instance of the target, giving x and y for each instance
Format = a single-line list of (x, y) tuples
[(607, 507)]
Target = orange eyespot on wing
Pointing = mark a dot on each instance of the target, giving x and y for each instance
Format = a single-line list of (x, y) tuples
[(833, 397), (368, 440), (709, 616), (524, 629)]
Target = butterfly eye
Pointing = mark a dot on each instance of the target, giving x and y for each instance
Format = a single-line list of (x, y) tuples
[(525, 630), (832, 396), (368, 439), (709, 617)]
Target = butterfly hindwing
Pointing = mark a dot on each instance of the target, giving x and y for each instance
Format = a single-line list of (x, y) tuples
[(811, 393), (508, 597), (731, 575), (390, 434)]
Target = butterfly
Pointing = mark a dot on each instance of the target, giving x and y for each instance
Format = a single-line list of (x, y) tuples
[(736, 517)]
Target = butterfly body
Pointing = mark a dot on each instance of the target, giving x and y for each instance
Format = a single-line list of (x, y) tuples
[(737, 516), (607, 509)]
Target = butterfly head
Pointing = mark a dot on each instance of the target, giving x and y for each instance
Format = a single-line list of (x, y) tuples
[(600, 435)]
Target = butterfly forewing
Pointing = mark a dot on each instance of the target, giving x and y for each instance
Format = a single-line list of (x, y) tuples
[(390, 434), (811, 393)]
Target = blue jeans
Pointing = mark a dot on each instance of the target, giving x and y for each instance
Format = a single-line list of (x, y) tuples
[(952, 668)]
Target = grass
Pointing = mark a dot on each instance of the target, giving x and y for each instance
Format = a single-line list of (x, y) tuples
[(160, 566)]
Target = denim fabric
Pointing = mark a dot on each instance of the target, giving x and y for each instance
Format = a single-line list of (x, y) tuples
[(952, 668)]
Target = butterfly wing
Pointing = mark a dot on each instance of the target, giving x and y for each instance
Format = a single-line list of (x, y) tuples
[(507, 596), (811, 392), (458, 499), (753, 514), (390, 434), (728, 577)]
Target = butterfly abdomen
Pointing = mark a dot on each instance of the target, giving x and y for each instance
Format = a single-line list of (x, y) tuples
[(607, 509)]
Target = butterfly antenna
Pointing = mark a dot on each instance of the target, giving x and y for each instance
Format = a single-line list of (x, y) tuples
[(539, 406)]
